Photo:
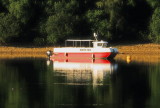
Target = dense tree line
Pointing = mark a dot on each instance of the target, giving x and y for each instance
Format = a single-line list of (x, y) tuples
[(51, 21)]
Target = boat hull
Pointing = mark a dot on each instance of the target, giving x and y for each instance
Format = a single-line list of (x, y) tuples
[(84, 53)]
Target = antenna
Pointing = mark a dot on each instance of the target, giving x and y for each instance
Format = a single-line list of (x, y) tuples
[(95, 35)]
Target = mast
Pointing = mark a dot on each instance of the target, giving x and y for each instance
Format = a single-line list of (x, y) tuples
[(95, 36)]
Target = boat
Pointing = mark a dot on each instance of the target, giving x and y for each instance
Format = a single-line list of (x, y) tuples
[(84, 49)]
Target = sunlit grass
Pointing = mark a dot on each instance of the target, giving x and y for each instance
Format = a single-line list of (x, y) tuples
[(143, 53), (14, 52), (149, 48)]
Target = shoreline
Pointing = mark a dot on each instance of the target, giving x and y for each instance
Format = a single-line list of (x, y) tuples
[(148, 48), (148, 52)]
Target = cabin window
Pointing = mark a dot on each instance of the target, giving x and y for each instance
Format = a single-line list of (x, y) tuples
[(78, 43), (104, 44), (99, 44)]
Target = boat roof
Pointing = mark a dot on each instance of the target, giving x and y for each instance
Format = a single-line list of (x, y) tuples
[(79, 40), (100, 41)]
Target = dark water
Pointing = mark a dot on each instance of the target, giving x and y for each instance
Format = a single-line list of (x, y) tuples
[(36, 83)]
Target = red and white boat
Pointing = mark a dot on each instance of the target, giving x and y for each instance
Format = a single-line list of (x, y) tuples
[(83, 49)]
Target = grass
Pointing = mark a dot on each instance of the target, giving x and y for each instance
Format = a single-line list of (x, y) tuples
[(13, 52), (148, 48), (143, 53)]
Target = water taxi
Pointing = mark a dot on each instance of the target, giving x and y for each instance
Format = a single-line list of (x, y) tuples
[(84, 49)]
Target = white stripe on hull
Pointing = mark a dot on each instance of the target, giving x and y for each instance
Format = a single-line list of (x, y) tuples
[(82, 50)]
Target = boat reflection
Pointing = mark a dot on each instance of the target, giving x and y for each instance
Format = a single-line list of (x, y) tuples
[(88, 71)]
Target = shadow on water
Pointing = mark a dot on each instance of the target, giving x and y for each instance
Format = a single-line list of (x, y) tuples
[(38, 83), (20, 79), (132, 85)]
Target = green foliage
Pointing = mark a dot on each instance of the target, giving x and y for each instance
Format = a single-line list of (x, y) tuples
[(155, 26), (19, 8), (98, 22), (60, 25), (127, 18), (154, 3), (112, 20), (39, 41), (52, 21), (9, 27)]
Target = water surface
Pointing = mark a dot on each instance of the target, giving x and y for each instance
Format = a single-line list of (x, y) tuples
[(38, 83)]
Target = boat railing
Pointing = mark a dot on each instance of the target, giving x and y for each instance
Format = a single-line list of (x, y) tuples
[(85, 43), (78, 43)]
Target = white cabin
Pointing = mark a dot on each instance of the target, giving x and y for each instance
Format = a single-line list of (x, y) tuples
[(100, 44), (86, 43)]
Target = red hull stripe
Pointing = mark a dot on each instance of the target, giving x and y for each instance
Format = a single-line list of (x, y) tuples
[(83, 55)]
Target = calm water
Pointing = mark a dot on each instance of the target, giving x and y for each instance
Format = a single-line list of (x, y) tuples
[(38, 83)]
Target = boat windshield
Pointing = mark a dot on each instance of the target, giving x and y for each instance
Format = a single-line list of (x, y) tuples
[(102, 44)]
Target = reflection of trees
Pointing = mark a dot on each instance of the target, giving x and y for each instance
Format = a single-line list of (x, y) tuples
[(33, 84), (11, 93), (130, 86), (21, 84), (154, 81)]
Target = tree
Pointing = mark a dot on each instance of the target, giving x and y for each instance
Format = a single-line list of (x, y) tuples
[(99, 23), (107, 18), (19, 8), (60, 25), (154, 3), (56, 20), (9, 27), (155, 26), (127, 19)]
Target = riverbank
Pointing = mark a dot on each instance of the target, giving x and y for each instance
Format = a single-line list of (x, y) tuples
[(14, 52), (135, 52), (144, 49), (143, 53)]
